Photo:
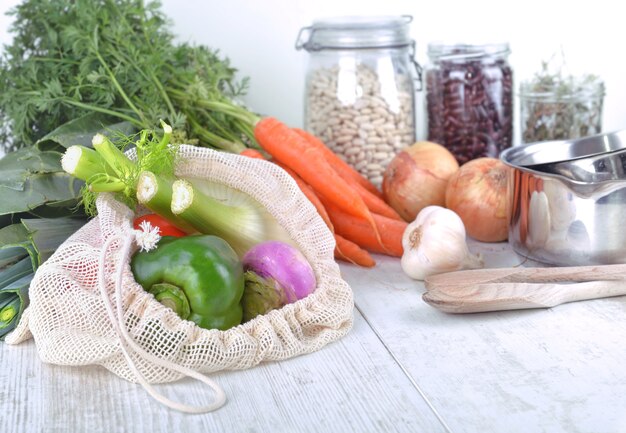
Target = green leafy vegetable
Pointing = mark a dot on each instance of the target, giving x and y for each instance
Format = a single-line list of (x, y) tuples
[(23, 248), (82, 130), (115, 60), (34, 184)]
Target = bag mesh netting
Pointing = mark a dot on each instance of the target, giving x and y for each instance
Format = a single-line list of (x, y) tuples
[(73, 310)]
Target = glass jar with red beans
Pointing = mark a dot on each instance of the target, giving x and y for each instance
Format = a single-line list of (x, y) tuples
[(469, 99)]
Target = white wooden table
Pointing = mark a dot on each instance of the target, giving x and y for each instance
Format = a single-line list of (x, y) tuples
[(404, 367)]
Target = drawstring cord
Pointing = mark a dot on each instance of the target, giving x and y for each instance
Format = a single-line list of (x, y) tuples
[(127, 343)]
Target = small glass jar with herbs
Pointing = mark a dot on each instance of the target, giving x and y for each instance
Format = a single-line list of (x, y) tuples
[(554, 106)]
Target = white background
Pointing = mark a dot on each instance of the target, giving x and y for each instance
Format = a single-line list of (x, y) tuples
[(259, 37)]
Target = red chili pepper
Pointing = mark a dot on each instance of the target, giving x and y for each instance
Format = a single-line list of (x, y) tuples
[(165, 227), (252, 153)]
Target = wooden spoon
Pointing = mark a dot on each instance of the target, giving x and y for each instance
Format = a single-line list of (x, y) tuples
[(519, 288)]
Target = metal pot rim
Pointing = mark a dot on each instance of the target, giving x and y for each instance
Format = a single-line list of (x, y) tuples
[(550, 158)]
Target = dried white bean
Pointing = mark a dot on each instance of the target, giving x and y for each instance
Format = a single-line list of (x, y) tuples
[(352, 151), (347, 131), (367, 131), (381, 111), (344, 116), (376, 180), (344, 139), (360, 165)]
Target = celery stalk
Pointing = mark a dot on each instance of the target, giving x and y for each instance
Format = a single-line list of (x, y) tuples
[(155, 193), (115, 158), (234, 216), (83, 163), (240, 226)]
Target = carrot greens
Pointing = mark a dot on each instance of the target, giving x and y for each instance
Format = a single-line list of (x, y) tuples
[(101, 65)]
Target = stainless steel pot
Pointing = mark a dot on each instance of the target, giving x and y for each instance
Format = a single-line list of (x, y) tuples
[(567, 200)]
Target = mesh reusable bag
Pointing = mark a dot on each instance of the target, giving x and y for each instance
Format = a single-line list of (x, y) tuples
[(86, 307)]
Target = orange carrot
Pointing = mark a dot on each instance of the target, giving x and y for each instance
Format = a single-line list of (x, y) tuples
[(344, 249), (359, 232), (350, 252), (376, 204), (310, 194), (345, 170), (252, 153), (288, 147)]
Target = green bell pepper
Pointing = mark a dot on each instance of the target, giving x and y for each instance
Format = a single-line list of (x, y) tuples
[(200, 277)]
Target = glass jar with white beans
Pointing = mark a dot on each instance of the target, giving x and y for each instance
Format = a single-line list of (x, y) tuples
[(360, 88)]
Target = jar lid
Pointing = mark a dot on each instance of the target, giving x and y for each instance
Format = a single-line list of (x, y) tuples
[(356, 32), (459, 51)]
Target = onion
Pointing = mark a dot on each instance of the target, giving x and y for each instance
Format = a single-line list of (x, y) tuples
[(417, 177), (477, 192)]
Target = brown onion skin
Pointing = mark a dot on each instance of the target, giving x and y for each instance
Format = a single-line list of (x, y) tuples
[(417, 177), (477, 192)]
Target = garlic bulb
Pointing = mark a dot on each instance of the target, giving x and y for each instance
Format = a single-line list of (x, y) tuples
[(435, 243)]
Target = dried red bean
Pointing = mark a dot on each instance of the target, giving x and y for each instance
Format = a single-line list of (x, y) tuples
[(470, 106)]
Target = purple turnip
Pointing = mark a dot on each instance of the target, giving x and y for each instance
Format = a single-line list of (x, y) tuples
[(276, 274)]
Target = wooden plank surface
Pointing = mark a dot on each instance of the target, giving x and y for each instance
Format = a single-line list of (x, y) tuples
[(405, 367), (549, 370), (353, 385)]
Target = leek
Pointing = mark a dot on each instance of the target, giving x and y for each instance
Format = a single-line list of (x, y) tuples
[(13, 301), (35, 193), (23, 247)]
